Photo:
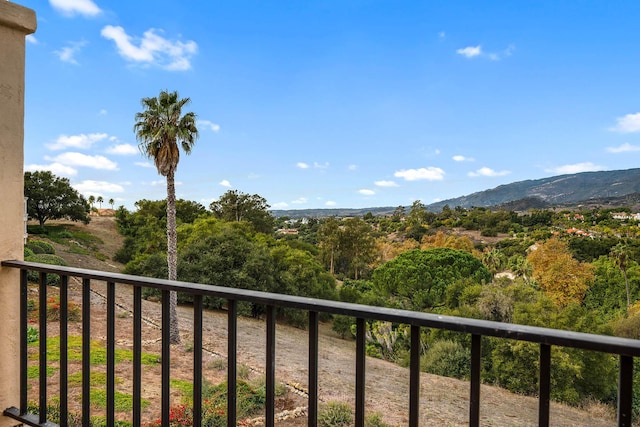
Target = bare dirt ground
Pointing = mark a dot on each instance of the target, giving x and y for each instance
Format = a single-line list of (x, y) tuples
[(444, 401)]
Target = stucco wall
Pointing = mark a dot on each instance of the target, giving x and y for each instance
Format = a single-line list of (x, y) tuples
[(15, 23)]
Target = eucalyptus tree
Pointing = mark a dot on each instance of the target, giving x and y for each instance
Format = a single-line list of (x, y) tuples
[(161, 129)]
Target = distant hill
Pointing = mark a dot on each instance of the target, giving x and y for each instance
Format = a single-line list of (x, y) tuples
[(556, 190), (603, 189)]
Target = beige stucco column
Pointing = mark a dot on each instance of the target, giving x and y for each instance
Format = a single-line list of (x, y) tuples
[(15, 23)]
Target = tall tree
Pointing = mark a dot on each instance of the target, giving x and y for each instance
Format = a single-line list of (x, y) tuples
[(329, 239), (52, 197), (159, 128), (92, 200), (561, 277), (100, 200), (620, 256), (111, 202), (235, 205)]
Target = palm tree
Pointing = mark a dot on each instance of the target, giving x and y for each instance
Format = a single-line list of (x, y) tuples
[(111, 202), (100, 200), (159, 129), (620, 256), (91, 200)]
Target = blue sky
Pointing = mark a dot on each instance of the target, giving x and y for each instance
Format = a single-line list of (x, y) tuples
[(321, 104)]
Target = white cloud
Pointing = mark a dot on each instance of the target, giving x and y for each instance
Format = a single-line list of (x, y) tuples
[(55, 168), (144, 164), (280, 205), (76, 7), (302, 165), (485, 171), (67, 53), (103, 112), (470, 51), (158, 182), (152, 49), (300, 201), (31, 39), (352, 167), (324, 165), (624, 148), (386, 184), (123, 149), (98, 187), (430, 174), (330, 203), (79, 159), (459, 158), (366, 192), (82, 141), (473, 51), (209, 124), (225, 183), (441, 35), (627, 124), (576, 168)]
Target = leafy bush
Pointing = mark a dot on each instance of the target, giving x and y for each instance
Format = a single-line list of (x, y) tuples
[(447, 359), (335, 414), (28, 252), (40, 247), (52, 279), (32, 334), (375, 420)]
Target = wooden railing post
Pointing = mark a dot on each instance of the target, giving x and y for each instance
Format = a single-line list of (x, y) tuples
[(15, 23)]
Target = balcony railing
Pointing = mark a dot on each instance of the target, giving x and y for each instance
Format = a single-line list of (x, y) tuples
[(626, 349)]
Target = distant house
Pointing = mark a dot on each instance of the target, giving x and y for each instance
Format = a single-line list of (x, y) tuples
[(574, 216), (287, 231), (623, 216)]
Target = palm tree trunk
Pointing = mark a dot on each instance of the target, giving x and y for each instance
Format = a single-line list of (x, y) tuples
[(626, 285), (172, 257)]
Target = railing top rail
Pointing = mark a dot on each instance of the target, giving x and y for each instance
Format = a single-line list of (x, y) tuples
[(603, 343)]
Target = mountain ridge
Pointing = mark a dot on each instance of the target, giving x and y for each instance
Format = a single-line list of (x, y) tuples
[(606, 188)]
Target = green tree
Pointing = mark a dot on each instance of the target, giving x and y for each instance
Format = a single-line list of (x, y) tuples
[(111, 202), (329, 238), (620, 256), (52, 197), (159, 128), (357, 245), (100, 200), (237, 206), (419, 279), (92, 200)]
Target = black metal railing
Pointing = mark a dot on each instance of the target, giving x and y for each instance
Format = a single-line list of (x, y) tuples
[(626, 349)]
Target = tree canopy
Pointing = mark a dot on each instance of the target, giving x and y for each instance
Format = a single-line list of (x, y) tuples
[(419, 279), (53, 197), (235, 205)]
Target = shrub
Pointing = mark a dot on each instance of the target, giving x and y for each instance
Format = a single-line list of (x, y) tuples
[(53, 310), (52, 279), (28, 252), (446, 358), (335, 414), (40, 247), (375, 420), (32, 334)]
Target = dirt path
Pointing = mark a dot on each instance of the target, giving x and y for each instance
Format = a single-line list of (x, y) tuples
[(444, 401)]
